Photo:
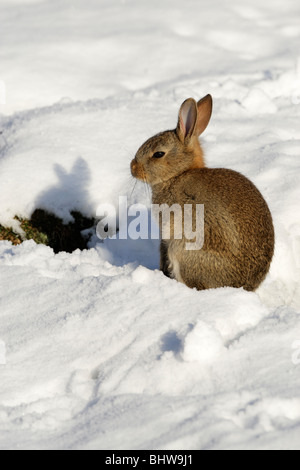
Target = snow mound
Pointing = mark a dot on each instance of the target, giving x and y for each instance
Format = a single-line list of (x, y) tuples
[(202, 344), (257, 102)]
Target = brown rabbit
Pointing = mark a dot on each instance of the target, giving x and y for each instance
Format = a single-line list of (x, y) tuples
[(238, 229)]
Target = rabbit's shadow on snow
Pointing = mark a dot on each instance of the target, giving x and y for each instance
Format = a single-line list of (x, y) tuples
[(61, 208), (70, 193), (70, 197)]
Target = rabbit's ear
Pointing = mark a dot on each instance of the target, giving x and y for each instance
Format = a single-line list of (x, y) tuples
[(205, 107), (187, 119)]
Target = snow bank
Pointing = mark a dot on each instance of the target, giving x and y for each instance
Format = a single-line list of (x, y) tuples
[(100, 356), (101, 350)]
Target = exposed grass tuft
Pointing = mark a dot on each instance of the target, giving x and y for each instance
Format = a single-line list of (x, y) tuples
[(45, 228)]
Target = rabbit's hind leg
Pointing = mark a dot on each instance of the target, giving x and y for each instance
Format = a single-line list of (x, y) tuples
[(210, 270)]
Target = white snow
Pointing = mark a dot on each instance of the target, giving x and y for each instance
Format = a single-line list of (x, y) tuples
[(98, 350)]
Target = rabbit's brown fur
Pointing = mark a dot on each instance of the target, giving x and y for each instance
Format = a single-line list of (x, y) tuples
[(238, 228)]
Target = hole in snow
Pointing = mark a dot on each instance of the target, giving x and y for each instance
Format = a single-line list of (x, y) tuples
[(48, 229), (60, 236)]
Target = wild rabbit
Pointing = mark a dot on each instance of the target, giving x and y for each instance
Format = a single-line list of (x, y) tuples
[(238, 229)]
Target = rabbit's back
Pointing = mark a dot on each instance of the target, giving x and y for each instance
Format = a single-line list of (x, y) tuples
[(238, 228), (229, 198)]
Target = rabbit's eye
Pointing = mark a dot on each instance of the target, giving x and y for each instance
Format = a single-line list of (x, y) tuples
[(158, 154)]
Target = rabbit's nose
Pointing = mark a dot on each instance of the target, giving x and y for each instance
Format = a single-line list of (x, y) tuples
[(137, 170), (133, 167)]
